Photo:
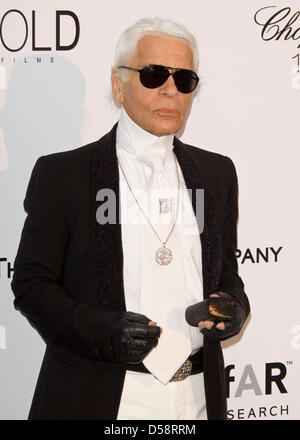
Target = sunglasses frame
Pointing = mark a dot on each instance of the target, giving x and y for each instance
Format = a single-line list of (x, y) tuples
[(171, 70)]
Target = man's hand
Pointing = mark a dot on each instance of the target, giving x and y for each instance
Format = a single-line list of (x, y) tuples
[(223, 330), (209, 324), (133, 337)]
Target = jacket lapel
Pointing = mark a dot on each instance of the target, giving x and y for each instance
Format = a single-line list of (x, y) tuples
[(106, 238), (194, 174)]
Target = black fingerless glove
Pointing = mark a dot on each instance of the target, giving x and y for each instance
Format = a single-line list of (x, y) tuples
[(132, 338), (223, 308)]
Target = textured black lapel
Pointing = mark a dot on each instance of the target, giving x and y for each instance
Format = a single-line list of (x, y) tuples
[(195, 178), (106, 238)]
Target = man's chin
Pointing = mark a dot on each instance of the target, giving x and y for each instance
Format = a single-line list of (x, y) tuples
[(165, 128)]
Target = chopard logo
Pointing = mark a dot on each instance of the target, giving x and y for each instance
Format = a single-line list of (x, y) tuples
[(283, 24)]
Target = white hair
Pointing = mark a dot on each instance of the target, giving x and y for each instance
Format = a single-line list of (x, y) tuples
[(128, 41)]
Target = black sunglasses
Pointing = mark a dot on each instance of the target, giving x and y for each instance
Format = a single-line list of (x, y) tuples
[(153, 76)]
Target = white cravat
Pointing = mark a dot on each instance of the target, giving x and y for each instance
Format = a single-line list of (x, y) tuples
[(143, 396), (132, 142), (163, 296)]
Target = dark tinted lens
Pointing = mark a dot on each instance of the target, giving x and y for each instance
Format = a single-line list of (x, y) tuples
[(153, 76), (185, 80)]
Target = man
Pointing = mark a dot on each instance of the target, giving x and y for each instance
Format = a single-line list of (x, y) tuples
[(109, 297)]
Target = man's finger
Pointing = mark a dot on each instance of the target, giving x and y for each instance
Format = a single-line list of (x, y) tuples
[(144, 344), (205, 324), (155, 323), (137, 317), (221, 325), (143, 331)]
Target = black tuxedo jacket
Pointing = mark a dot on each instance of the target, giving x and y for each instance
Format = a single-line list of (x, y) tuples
[(68, 274)]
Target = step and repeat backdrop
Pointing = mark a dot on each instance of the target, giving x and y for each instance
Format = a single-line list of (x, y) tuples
[(55, 63)]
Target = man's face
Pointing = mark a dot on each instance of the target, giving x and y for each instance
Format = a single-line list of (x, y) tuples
[(159, 111)]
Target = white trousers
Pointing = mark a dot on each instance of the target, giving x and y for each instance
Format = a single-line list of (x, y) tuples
[(146, 398)]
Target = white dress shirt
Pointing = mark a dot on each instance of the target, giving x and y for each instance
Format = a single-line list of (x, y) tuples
[(132, 141)]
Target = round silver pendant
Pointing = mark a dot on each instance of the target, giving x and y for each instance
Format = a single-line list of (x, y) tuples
[(163, 256)]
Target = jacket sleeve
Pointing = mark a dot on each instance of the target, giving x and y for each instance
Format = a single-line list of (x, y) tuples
[(38, 273), (230, 280)]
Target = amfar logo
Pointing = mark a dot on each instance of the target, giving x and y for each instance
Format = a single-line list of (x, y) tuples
[(282, 24), (273, 380), (275, 372), (24, 27)]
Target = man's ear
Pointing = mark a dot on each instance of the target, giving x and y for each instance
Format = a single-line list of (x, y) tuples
[(116, 87)]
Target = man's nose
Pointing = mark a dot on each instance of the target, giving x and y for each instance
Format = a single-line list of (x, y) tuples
[(169, 88)]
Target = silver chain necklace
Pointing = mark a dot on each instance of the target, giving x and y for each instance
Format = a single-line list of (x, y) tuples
[(163, 255)]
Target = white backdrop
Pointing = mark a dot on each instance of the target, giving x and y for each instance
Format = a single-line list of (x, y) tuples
[(55, 97)]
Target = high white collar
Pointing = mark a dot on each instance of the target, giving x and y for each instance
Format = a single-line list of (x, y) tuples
[(135, 140)]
